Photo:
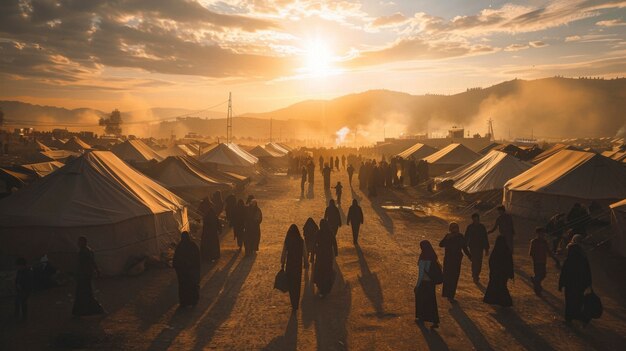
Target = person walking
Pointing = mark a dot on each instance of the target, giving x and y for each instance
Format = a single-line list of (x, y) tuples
[(293, 257), (425, 296), (311, 231), (23, 288), (355, 219), (454, 246), (303, 177), (85, 304), (539, 251), (338, 192), (504, 223), (187, 264), (239, 223), (333, 217), (477, 243), (350, 174), (500, 271), (254, 217), (326, 175), (337, 163), (210, 241), (575, 278), (324, 273)]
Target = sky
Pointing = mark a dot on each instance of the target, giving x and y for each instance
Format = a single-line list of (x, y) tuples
[(131, 54)]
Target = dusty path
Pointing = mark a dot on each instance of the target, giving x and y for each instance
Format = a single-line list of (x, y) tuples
[(370, 308)]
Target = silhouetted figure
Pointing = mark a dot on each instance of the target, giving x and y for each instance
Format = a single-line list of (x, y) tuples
[(539, 251), (555, 230), (303, 176), (210, 241), (477, 243), (85, 304), (350, 173), (454, 246), (337, 163), (504, 223), (500, 271), (239, 222), (324, 273), (293, 257), (326, 175), (43, 273), (217, 202), (333, 217), (575, 278), (363, 176), (23, 288), (229, 205), (372, 182), (187, 263), (338, 192), (355, 219), (254, 217), (343, 161), (331, 162), (321, 163), (311, 231), (577, 219), (425, 296)]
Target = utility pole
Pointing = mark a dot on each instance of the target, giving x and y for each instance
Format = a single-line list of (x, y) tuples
[(229, 120), (270, 129), (490, 130)]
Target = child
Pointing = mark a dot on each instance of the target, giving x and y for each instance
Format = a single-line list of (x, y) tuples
[(338, 191), (23, 287), (539, 251)]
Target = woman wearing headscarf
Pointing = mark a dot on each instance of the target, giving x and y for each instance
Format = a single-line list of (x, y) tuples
[(239, 222), (454, 245), (500, 271), (333, 217), (324, 274), (294, 253), (186, 262), (355, 219), (85, 304), (254, 217), (425, 296), (210, 241), (310, 237), (575, 278)]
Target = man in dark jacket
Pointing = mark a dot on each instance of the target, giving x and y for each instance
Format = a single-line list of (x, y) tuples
[(477, 242), (355, 219), (333, 217)]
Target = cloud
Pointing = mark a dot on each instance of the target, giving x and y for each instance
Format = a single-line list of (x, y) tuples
[(537, 44), (390, 21), (611, 23), (516, 47)]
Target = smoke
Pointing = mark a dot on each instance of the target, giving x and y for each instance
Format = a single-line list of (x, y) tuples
[(341, 135)]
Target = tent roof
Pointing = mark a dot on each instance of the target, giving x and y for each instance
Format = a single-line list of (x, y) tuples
[(453, 154), (277, 148), (418, 151), (260, 151), (181, 171), (135, 151), (576, 174), (488, 148), (17, 177), (228, 155), (552, 151), (52, 155), (488, 173), (42, 169), (177, 150), (95, 189), (76, 144)]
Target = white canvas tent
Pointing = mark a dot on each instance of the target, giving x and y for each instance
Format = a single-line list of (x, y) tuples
[(562, 180), (277, 148), (177, 150), (136, 151), (450, 157), (42, 169), (489, 173), (260, 152), (417, 151), (122, 213), (618, 223), (75, 144), (230, 157), (551, 152)]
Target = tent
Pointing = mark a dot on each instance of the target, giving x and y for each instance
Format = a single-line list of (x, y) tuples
[(552, 151), (568, 177), (54, 155), (487, 174), (183, 176), (177, 150), (135, 151), (417, 151), (261, 152), (618, 223), (10, 179), (450, 157), (123, 214), (230, 157), (277, 148), (488, 148), (42, 169), (75, 144)]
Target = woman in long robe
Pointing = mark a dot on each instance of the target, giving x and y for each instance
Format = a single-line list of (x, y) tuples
[(425, 295), (310, 237), (293, 257), (186, 262), (85, 304), (254, 217), (454, 245), (324, 274), (500, 271), (575, 278), (239, 222), (210, 243), (333, 218)]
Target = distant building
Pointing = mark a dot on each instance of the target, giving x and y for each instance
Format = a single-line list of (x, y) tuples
[(456, 132)]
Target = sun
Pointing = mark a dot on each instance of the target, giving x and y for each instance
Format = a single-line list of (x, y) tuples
[(318, 59)]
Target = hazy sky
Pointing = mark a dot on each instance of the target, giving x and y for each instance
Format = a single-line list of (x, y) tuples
[(270, 53)]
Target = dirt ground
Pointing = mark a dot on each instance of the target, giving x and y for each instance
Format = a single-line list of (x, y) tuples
[(371, 306)]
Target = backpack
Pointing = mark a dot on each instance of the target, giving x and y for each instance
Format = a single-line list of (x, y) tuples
[(435, 273)]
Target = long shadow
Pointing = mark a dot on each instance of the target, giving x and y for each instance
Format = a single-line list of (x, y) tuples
[(308, 299), (515, 326), (355, 196), (382, 215), (331, 316), (433, 339), (223, 306), (469, 328), (328, 196), (371, 286), (287, 341)]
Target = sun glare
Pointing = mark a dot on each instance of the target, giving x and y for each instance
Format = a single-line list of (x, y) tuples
[(318, 59)]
